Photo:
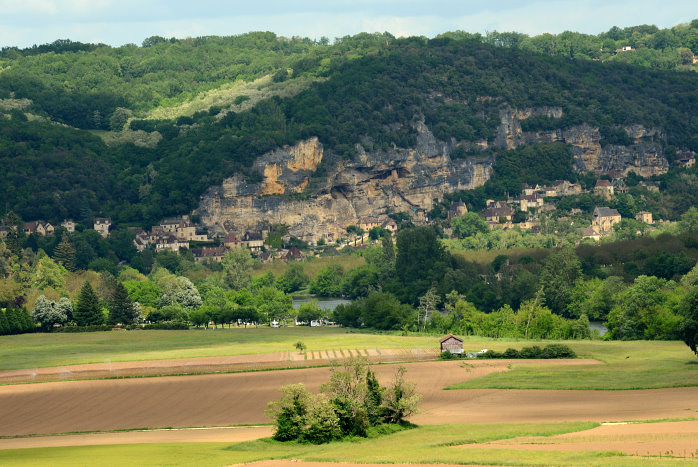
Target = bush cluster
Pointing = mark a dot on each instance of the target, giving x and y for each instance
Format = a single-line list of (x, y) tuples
[(549, 351), (350, 404)]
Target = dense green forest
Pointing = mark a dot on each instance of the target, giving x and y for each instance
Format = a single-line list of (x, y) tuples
[(366, 89)]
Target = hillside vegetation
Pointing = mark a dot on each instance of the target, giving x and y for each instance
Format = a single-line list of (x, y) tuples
[(199, 110)]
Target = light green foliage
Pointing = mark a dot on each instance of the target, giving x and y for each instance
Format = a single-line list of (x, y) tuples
[(237, 266), (689, 221), (645, 310), (127, 273), (400, 398), (48, 313), (328, 281), (263, 280), (468, 225), (308, 312), (293, 279), (629, 229), (273, 304), (180, 290), (594, 297), (560, 272), (48, 274), (146, 293)]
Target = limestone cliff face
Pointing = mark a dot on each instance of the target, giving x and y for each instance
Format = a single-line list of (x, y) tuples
[(373, 183), (321, 205), (645, 157)]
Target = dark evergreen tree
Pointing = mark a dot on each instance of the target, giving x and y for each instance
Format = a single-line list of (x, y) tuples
[(13, 241), (4, 325), (121, 308), (88, 310), (64, 253)]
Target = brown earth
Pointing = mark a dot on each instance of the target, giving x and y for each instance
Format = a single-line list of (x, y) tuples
[(240, 398), (674, 439)]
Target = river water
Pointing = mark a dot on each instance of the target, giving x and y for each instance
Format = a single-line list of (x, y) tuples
[(324, 303)]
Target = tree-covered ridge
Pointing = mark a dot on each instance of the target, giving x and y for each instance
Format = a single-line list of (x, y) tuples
[(668, 49), (374, 98)]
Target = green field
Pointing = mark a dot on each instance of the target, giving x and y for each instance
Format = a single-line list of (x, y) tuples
[(628, 365), (427, 444), (57, 349)]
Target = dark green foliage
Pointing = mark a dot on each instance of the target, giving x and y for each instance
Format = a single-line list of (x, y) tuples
[(549, 351), (421, 261), (373, 100), (16, 321), (293, 279), (64, 253), (88, 310), (447, 355), (688, 327), (121, 308)]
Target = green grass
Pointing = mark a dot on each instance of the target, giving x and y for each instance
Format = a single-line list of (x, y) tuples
[(42, 350), (313, 266), (629, 365), (427, 444)]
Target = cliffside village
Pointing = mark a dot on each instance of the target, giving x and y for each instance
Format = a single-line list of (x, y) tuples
[(174, 234)]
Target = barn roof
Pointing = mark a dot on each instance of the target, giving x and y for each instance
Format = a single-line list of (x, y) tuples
[(448, 337)]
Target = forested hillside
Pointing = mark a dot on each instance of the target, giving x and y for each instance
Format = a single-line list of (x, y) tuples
[(57, 100)]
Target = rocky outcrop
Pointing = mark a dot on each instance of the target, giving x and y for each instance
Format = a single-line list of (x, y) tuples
[(400, 180), (645, 157), (318, 195)]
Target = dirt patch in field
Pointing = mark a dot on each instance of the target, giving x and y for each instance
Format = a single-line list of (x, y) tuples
[(175, 435), (240, 398), (207, 365), (672, 439)]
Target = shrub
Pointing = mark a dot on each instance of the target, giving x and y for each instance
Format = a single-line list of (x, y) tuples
[(447, 355), (558, 351), (531, 352), (511, 353)]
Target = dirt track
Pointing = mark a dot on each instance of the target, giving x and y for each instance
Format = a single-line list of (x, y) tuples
[(233, 399)]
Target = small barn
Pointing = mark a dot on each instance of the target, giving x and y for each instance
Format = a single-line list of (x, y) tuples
[(452, 343)]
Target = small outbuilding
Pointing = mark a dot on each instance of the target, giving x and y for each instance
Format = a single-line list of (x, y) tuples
[(452, 343)]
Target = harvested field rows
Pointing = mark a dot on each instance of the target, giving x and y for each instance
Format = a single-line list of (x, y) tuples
[(235, 399), (203, 365)]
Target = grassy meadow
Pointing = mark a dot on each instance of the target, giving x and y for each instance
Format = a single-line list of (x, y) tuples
[(426, 444), (57, 349), (625, 364)]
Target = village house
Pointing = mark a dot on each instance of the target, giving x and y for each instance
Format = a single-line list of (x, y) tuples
[(265, 257), (231, 241), (68, 225), (293, 254), (253, 240), (170, 242), (102, 225), (604, 189), (625, 48), (183, 230), (367, 223), (527, 202), (565, 188), (604, 219), (589, 232), (215, 254), (649, 186), (644, 216), (497, 213), (451, 343), (685, 159), (39, 228), (457, 209)]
